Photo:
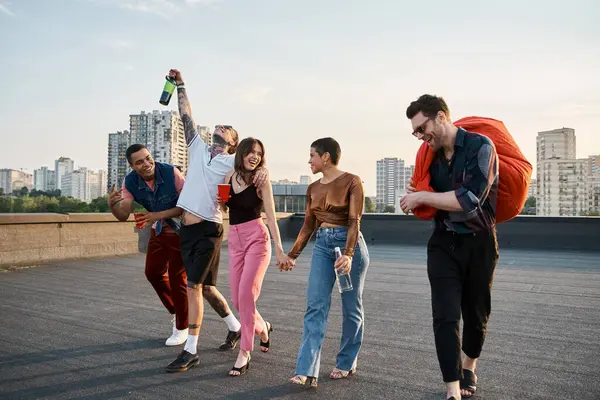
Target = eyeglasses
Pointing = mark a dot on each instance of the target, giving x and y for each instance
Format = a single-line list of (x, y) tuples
[(421, 128)]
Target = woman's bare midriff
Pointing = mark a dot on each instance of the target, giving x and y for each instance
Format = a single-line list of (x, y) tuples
[(326, 225), (191, 219)]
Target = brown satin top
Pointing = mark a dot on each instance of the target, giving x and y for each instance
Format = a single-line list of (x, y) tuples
[(339, 202)]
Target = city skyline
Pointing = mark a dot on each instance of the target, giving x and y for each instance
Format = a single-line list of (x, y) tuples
[(403, 174), (288, 74), (80, 183)]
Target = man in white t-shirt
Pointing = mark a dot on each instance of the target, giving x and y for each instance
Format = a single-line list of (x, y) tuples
[(202, 230)]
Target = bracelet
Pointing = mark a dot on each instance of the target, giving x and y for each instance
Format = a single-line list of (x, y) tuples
[(181, 86)]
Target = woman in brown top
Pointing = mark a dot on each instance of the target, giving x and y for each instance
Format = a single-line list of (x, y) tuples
[(334, 209)]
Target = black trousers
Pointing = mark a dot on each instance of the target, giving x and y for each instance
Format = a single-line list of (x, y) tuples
[(461, 270)]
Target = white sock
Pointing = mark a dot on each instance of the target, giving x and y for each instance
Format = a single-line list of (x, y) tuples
[(191, 346), (232, 323)]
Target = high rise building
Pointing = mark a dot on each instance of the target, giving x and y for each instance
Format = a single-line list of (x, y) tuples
[(593, 184), (44, 179), (392, 178), (84, 185), (408, 173), (532, 188), (563, 189), (62, 166), (118, 166), (73, 184), (162, 133), (556, 144), (12, 179), (565, 184), (594, 165)]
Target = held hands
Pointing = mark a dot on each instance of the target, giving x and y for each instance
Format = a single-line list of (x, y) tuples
[(114, 196), (175, 74), (343, 264), (285, 262)]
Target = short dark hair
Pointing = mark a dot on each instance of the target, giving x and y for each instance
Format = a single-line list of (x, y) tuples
[(134, 148), (328, 145), (429, 105)]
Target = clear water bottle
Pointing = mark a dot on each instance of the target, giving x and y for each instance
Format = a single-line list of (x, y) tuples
[(343, 279)]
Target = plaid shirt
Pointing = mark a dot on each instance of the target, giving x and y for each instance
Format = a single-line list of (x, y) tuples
[(472, 174)]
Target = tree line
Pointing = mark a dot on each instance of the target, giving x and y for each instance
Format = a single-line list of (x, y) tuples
[(38, 201)]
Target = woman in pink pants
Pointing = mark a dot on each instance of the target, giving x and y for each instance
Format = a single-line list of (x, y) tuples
[(249, 246)]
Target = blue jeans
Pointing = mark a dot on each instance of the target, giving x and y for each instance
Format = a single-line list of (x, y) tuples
[(318, 300)]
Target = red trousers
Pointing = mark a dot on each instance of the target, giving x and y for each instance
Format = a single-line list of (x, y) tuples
[(166, 273)]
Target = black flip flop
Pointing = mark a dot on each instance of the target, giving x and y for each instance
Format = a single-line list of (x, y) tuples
[(468, 383)]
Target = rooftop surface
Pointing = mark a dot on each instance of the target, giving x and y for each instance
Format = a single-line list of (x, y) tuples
[(95, 329)]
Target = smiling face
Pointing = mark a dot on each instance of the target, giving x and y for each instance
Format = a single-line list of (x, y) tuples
[(249, 157), (428, 130), (222, 134), (143, 163), (226, 137), (254, 158)]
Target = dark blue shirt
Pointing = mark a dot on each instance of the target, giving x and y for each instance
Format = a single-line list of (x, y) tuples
[(162, 198), (472, 174)]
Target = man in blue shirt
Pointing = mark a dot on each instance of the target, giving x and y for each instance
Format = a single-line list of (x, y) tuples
[(463, 251), (156, 186)]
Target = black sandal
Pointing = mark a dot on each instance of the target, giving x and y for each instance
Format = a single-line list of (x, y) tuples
[(242, 370), (468, 383), (268, 342)]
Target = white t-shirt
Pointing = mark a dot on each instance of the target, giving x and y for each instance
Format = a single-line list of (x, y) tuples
[(199, 194)]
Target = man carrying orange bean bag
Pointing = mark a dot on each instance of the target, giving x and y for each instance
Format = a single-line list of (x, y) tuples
[(515, 176), (457, 184)]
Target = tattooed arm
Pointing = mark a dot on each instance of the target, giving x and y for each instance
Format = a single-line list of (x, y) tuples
[(185, 110)]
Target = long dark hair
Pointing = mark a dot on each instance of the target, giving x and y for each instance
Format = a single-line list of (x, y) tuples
[(243, 149)]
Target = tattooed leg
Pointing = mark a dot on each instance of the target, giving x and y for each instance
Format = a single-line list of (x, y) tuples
[(216, 300)]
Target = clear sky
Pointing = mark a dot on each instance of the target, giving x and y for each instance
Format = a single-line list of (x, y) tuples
[(289, 71)]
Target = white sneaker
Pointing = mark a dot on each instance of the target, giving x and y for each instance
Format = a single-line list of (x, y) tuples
[(178, 337)]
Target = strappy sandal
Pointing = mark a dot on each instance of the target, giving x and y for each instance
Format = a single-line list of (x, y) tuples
[(308, 381), (468, 383), (242, 370), (264, 346), (341, 374)]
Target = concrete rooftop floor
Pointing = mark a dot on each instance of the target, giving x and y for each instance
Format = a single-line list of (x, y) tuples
[(95, 329)]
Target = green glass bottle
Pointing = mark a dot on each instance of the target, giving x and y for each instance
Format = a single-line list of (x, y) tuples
[(168, 90)]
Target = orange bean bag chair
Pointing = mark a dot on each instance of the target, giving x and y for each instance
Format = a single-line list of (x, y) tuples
[(514, 169)]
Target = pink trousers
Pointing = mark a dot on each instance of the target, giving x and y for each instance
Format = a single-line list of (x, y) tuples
[(249, 247)]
